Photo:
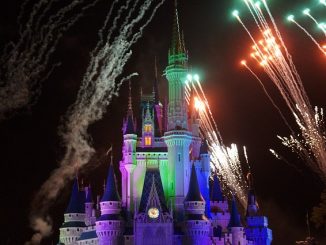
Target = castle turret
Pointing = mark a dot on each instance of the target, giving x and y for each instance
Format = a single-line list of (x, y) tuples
[(197, 226), (74, 217), (257, 225), (109, 226), (128, 163), (235, 227), (219, 206), (89, 207)]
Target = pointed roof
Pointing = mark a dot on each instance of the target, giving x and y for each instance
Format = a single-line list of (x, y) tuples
[(89, 197), (152, 177), (110, 193), (193, 191), (77, 200), (204, 147), (177, 46), (155, 87), (153, 198), (235, 216), (216, 194), (129, 126)]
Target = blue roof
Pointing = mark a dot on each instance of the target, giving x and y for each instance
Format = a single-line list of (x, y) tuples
[(77, 200), (150, 176), (110, 193), (204, 147), (130, 128), (216, 194), (88, 235), (193, 191), (89, 198), (235, 216)]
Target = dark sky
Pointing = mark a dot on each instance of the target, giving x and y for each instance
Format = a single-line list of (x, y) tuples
[(31, 147)]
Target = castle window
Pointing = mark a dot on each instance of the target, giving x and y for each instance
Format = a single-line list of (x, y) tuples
[(148, 140), (148, 128)]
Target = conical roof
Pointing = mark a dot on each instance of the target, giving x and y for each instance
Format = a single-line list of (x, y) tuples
[(89, 197), (216, 194), (193, 191), (110, 192), (235, 216), (77, 200)]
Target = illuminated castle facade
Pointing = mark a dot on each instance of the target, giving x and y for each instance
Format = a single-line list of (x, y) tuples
[(166, 197)]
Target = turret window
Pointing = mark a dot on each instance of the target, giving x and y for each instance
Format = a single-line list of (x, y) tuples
[(148, 128), (148, 140)]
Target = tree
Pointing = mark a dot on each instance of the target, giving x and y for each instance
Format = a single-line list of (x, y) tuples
[(319, 212)]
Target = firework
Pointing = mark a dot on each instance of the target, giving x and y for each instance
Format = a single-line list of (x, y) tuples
[(320, 25), (272, 55), (24, 64), (101, 82), (225, 160)]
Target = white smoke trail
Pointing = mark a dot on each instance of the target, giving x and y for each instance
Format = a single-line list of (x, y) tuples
[(101, 82), (24, 63)]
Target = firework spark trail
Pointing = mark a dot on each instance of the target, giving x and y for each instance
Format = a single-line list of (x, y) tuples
[(323, 2), (309, 35), (101, 82), (225, 160), (319, 25), (278, 64), (24, 63)]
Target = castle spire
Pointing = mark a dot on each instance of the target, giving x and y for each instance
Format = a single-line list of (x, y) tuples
[(129, 127), (155, 86), (129, 99), (77, 200), (217, 195), (110, 193), (194, 191), (176, 45), (235, 216)]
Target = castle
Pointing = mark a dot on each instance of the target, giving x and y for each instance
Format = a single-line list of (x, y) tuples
[(166, 197)]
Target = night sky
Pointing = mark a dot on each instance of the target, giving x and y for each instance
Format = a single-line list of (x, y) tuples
[(31, 147)]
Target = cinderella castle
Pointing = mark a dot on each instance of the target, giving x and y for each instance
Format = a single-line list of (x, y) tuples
[(166, 196)]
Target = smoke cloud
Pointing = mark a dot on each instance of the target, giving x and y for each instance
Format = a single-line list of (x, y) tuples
[(101, 82), (24, 64)]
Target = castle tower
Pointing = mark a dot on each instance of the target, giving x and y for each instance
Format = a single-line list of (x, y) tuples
[(177, 138), (219, 206), (153, 222), (74, 217), (197, 226), (176, 73), (257, 225), (148, 128), (128, 163), (235, 227), (109, 226), (89, 207)]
